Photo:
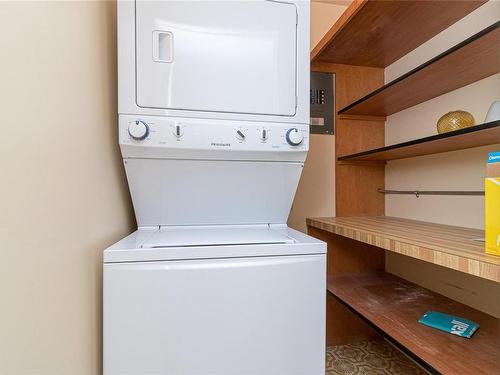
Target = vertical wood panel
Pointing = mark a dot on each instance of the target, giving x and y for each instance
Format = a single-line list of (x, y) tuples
[(356, 185), (347, 256), (356, 193)]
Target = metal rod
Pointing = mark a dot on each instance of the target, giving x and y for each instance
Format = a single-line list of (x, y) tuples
[(418, 193)]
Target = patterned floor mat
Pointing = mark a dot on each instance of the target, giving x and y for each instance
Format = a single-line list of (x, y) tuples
[(369, 358)]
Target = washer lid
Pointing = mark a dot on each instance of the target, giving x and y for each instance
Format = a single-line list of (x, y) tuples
[(189, 237), (211, 243)]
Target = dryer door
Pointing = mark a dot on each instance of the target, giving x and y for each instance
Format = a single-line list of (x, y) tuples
[(222, 56)]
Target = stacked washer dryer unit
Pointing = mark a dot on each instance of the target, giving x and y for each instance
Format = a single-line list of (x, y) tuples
[(213, 130)]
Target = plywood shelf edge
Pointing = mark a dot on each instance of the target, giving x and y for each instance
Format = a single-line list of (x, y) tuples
[(476, 136), (473, 59), (444, 245)]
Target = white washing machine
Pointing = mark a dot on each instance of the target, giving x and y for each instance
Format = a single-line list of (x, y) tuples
[(215, 301), (213, 131)]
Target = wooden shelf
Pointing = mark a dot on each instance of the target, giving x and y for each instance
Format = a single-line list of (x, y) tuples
[(476, 136), (444, 245), (393, 306), (475, 58), (377, 33)]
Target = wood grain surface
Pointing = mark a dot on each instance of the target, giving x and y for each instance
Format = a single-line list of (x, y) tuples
[(356, 193), (470, 61), (377, 33), (444, 245), (356, 185), (346, 255), (394, 306), (476, 136)]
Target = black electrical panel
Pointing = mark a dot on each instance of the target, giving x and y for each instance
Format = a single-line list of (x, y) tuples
[(322, 103)]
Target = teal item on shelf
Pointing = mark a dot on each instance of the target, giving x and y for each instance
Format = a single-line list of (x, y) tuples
[(449, 323), (494, 157)]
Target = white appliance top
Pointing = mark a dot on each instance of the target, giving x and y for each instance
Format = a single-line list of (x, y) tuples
[(183, 243)]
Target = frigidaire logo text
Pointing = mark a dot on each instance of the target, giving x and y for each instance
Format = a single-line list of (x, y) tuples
[(221, 144)]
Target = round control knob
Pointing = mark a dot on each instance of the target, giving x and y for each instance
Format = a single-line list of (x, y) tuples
[(294, 137), (138, 130)]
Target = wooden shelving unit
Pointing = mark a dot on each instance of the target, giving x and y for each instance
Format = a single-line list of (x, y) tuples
[(444, 245), (377, 33), (476, 58), (476, 136), (393, 306), (364, 302)]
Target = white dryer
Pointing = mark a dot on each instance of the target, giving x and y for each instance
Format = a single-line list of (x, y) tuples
[(232, 59), (213, 131)]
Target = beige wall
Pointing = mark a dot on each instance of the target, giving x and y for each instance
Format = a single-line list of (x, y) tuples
[(460, 170), (323, 16), (63, 196), (316, 191)]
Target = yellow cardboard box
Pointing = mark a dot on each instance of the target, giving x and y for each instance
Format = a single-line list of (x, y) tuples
[(492, 204)]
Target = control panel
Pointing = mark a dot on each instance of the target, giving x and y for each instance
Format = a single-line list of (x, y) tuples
[(178, 133), (322, 103)]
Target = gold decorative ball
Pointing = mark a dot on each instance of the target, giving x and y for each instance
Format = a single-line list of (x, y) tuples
[(454, 120)]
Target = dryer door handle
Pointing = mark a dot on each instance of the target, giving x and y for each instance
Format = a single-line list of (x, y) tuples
[(163, 46)]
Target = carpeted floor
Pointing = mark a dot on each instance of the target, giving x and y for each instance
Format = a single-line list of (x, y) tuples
[(369, 358)]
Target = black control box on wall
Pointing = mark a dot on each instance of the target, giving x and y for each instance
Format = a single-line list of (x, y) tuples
[(322, 103)]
